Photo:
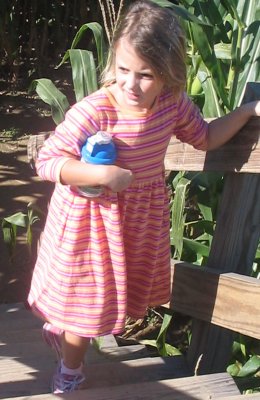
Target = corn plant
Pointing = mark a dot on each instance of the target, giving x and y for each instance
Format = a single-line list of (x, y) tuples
[(84, 74), (245, 364), (85, 65), (223, 50), (12, 223), (193, 214), (164, 348)]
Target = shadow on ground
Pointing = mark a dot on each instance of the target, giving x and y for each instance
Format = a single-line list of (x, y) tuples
[(18, 187)]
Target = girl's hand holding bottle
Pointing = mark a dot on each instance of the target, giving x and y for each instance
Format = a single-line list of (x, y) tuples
[(116, 178), (100, 149), (96, 168)]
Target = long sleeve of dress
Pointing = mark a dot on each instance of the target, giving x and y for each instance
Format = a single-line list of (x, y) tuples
[(80, 122), (190, 126)]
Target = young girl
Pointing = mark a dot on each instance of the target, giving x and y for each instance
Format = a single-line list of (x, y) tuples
[(107, 257)]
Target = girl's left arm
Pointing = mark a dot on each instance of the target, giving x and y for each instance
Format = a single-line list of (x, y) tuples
[(222, 129)]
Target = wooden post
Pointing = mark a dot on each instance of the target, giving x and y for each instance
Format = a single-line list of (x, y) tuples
[(233, 250)]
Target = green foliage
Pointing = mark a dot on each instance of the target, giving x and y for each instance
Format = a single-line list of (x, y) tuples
[(245, 364), (164, 349), (11, 224), (223, 50), (178, 215), (193, 214), (9, 134), (84, 74), (48, 92), (97, 31)]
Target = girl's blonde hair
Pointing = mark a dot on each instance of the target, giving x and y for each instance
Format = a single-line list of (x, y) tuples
[(157, 37)]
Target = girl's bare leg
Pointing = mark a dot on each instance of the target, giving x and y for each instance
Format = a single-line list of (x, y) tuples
[(74, 349)]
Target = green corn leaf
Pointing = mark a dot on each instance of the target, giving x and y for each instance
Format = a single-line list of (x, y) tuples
[(250, 66), (9, 235), (29, 237), (83, 72), (223, 51), (204, 237), (211, 106), (210, 12), (17, 219), (233, 369), (206, 211), (99, 40), (148, 342), (245, 50), (203, 225), (169, 350), (180, 11), (258, 253), (48, 92), (231, 7), (97, 30), (161, 339), (178, 217), (203, 38), (251, 367), (196, 247)]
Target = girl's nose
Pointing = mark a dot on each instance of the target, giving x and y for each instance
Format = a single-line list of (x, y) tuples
[(132, 81)]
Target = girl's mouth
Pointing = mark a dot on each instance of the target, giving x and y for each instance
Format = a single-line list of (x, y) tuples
[(132, 96)]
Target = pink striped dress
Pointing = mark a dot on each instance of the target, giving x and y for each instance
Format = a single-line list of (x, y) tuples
[(107, 257)]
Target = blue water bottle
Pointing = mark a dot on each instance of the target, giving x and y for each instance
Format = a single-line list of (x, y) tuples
[(98, 149)]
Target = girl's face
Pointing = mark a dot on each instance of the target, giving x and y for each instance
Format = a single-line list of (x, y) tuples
[(136, 84)]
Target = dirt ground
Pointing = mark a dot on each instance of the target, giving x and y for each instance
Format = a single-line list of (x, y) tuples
[(21, 115)]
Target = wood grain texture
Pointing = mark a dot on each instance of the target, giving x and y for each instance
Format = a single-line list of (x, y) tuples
[(194, 388), (241, 154), (253, 396), (229, 300), (233, 249)]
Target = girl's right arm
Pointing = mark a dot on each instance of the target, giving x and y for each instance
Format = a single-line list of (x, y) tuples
[(78, 173)]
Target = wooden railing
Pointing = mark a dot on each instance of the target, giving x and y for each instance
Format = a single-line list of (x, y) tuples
[(222, 298)]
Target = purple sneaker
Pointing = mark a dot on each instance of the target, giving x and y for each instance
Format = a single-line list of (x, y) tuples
[(51, 336), (64, 383)]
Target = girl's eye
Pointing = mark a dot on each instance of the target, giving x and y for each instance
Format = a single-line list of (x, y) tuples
[(123, 70), (146, 76)]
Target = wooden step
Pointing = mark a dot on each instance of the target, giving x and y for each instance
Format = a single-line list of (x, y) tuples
[(253, 396), (27, 364), (129, 372), (32, 374), (215, 386)]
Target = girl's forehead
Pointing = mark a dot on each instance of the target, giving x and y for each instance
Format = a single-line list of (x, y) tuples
[(125, 52)]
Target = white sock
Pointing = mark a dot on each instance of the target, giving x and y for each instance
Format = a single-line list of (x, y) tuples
[(70, 371)]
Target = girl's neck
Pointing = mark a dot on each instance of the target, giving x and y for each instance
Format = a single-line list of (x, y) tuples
[(115, 98)]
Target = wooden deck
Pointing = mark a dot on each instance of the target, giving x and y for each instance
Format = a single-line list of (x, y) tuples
[(129, 372)]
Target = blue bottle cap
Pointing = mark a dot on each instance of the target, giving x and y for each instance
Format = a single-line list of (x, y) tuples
[(99, 149)]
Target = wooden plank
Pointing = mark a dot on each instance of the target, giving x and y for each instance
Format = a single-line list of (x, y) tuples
[(17, 317), (198, 387), (241, 154), (26, 351), (124, 353), (252, 396), (28, 371), (226, 299), (132, 371), (19, 335), (32, 376)]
